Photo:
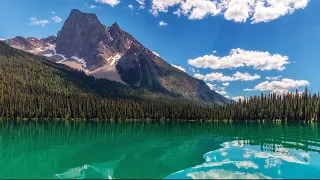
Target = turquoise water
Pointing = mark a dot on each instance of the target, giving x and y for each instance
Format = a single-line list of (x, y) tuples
[(63, 150)]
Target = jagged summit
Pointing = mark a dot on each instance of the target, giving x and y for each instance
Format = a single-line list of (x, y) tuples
[(112, 53), (84, 17), (115, 26)]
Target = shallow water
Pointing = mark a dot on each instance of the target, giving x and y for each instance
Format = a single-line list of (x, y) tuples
[(63, 149)]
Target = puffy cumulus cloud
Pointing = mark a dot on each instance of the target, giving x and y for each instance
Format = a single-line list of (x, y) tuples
[(241, 58), (162, 23), (273, 78), (110, 2), (238, 98), (199, 76), (179, 67), (162, 5), (265, 11), (236, 10), (35, 21), (196, 9), (56, 19), (226, 84), (130, 6), (238, 76), (280, 87)]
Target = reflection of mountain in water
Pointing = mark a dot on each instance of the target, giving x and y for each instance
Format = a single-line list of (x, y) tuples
[(137, 149)]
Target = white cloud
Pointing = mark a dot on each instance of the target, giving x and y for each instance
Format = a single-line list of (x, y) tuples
[(162, 5), (226, 84), (238, 76), (141, 3), (227, 97), (52, 12), (225, 174), (238, 98), (280, 87), (199, 76), (236, 10), (265, 11), (212, 86), (155, 53), (198, 9), (179, 67), (273, 78), (110, 2), (92, 6), (56, 19), (35, 21), (162, 23), (130, 6), (241, 58), (192, 69), (220, 90)]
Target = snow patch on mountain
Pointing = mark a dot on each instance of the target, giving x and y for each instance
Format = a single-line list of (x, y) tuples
[(52, 49), (63, 58), (109, 71), (114, 59), (82, 61)]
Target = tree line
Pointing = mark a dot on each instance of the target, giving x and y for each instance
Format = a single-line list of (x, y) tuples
[(31, 87), (291, 107)]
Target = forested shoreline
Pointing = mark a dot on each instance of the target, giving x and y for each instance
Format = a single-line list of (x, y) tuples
[(290, 107), (33, 88)]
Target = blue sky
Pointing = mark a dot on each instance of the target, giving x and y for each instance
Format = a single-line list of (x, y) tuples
[(281, 38)]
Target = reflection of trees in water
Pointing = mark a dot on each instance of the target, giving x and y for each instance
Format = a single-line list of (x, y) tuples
[(173, 145)]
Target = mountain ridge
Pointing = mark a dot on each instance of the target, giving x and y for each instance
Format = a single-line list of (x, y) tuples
[(85, 44)]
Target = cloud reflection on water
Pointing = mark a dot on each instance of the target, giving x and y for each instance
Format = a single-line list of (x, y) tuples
[(239, 160)]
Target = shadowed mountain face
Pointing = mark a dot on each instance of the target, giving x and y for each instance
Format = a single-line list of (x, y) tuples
[(111, 53)]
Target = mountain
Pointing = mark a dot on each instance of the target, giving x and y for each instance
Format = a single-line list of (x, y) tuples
[(111, 53), (32, 87)]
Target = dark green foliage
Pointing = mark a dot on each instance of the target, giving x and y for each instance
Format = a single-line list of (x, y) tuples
[(31, 87), (292, 107)]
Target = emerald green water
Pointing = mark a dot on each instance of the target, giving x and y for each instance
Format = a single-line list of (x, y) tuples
[(63, 149)]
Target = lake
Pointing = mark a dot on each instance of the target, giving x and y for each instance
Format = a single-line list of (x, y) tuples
[(70, 149)]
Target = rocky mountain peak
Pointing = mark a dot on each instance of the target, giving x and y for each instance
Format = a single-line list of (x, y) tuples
[(115, 29), (79, 19), (111, 53), (80, 36)]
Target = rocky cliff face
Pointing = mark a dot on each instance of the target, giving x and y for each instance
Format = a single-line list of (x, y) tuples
[(111, 53)]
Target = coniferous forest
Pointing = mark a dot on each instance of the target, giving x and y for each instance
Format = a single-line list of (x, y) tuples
[(34, 88)]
